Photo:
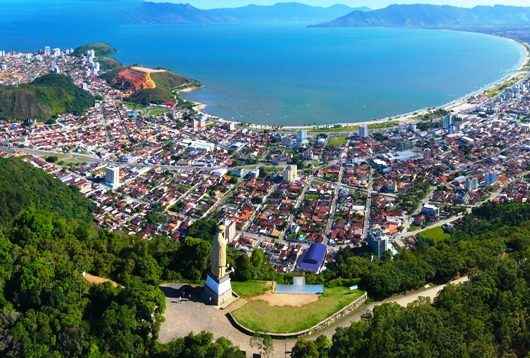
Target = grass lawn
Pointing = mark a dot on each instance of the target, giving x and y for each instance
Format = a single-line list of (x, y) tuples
[(383, 125), (262, 317), (251, 288), (436, 234), (337, 141), (335, 129)]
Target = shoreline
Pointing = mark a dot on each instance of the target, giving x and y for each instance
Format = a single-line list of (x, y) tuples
[(408, 117)]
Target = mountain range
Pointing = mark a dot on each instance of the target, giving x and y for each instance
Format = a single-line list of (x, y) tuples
[(281, 13), (435, 16)]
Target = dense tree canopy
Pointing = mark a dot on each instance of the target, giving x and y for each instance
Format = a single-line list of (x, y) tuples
[(23, 186), (476, 244), (44, 98), (48, 309), (487, 317)]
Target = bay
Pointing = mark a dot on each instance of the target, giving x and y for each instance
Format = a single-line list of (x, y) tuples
[(292, 75)]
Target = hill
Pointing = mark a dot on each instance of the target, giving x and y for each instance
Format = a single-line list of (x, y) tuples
[(50, 307), (433, 16), (23, 186), (281, 13), (46, 97), (105, 54), (102, 49), (147, 85)]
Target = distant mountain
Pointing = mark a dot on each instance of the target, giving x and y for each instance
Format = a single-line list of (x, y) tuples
[(170, 13), (433, 16), (281, 13)]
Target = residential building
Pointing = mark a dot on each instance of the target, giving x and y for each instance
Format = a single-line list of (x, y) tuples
[(112, 177)]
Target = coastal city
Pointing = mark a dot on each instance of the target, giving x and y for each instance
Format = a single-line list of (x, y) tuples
[(158, 169)]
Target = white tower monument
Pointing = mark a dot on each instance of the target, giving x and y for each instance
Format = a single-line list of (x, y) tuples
[(218, 289)]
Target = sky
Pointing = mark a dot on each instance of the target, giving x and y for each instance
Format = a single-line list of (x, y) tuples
[(370, 3)]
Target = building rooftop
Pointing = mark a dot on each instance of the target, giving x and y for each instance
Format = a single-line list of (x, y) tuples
[(313, 258)]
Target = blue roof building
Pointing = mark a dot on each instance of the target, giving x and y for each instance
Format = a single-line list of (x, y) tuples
[(313, 259)]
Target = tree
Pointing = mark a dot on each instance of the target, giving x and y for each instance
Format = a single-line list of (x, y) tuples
[(305, 349), (243, 268), (204, 229), (193, 258)]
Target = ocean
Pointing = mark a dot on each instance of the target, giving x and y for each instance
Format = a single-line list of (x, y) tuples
[(290, 75)]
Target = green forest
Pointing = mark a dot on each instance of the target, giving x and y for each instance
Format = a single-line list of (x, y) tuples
[(48, 239), (44, 98), (486, 317)]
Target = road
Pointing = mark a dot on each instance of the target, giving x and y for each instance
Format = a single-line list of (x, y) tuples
[(367, 210), (333, 208), (402, 300), (408, 218), (452, 219), (297, 205)]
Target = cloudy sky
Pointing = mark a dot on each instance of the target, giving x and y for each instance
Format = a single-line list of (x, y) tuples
[(370, 3)]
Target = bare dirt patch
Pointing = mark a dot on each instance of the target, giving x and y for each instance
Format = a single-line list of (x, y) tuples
[(274, 299)]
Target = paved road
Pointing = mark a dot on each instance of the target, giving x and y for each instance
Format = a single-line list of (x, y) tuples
[(402, 300), (367, 210), (333, 208)]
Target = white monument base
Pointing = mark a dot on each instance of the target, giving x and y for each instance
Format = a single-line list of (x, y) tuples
[(218, 292)]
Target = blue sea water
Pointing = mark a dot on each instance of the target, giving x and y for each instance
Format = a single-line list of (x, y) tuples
[(289, 75)]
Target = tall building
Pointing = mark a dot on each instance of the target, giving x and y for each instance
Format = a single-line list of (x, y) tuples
[(378, 242), (112, 177), (471, 184), (218, 288), (490, 178), (451, 123), (47, 51), (91, 54), (363, 132), (301, 137), (290, 174)]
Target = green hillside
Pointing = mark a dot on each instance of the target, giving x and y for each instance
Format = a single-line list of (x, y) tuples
[(105, 54), (101, 49), (166, 83), (46, 97), (48, 309), (22, 186)]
